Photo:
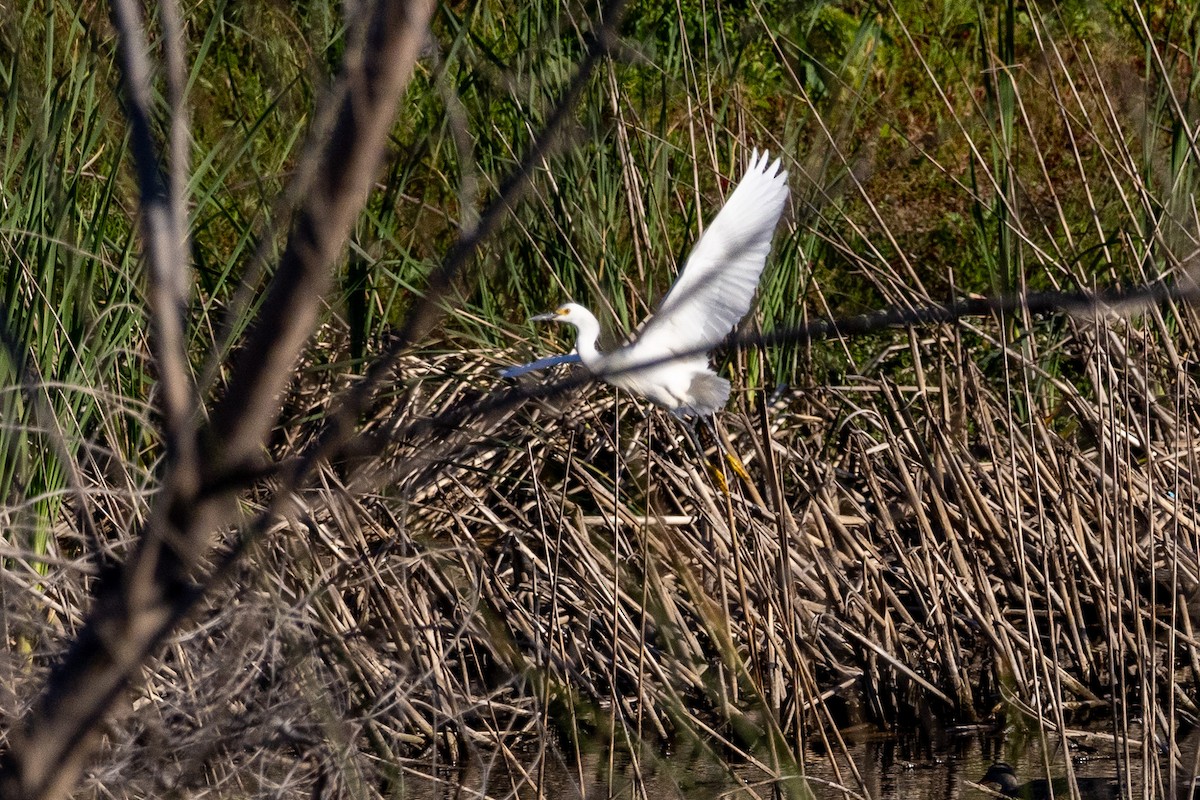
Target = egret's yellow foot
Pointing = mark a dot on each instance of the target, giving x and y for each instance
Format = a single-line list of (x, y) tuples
[(718, 476), (737, 466)]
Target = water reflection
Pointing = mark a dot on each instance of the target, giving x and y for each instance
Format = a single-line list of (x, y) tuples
[(876, 767)]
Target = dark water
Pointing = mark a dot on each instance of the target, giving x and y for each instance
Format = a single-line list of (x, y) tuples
[(871, 767)]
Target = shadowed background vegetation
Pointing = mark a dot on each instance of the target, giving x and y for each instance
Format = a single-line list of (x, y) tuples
[(985, 522)]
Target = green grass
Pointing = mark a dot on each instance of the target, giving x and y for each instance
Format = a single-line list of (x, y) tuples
[(75, 382)]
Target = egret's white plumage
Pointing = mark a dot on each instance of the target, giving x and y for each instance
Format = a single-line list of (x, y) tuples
[(712, 293)]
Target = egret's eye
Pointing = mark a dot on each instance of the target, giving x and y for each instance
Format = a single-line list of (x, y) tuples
[(562, 312)]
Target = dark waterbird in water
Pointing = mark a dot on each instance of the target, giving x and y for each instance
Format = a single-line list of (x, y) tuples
[(1003, 776)]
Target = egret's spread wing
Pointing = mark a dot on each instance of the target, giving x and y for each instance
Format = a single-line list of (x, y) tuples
[(717, 284), (541, 363)]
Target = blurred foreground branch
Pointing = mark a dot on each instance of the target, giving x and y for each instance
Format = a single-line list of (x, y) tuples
[(138, 604)]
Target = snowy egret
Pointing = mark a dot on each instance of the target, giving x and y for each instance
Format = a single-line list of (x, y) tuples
[(667, 361)]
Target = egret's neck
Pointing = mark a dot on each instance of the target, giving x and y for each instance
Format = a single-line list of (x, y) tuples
[(587, 333)]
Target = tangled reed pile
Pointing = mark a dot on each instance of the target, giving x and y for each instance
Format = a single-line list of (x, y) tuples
[(947, 538)]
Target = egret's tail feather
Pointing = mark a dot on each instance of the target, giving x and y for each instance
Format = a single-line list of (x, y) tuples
[(709, 394)]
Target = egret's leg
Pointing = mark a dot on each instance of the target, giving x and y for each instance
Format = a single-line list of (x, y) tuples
[(715, 470), (689, 427), (731, 457)]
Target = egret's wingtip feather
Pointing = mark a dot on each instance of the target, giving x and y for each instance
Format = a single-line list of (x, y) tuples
[(761, 164)]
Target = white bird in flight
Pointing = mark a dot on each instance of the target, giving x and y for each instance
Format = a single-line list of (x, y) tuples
[(667, 361)]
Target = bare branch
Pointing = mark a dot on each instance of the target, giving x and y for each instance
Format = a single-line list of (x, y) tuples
[(426, 313), (349, 162), (1124, 301), (163, 228), (139, 604)]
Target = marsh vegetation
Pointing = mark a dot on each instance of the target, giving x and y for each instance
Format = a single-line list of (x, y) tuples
[(273, 526)]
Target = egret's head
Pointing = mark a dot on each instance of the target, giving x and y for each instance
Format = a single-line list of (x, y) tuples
[(567, 312)]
